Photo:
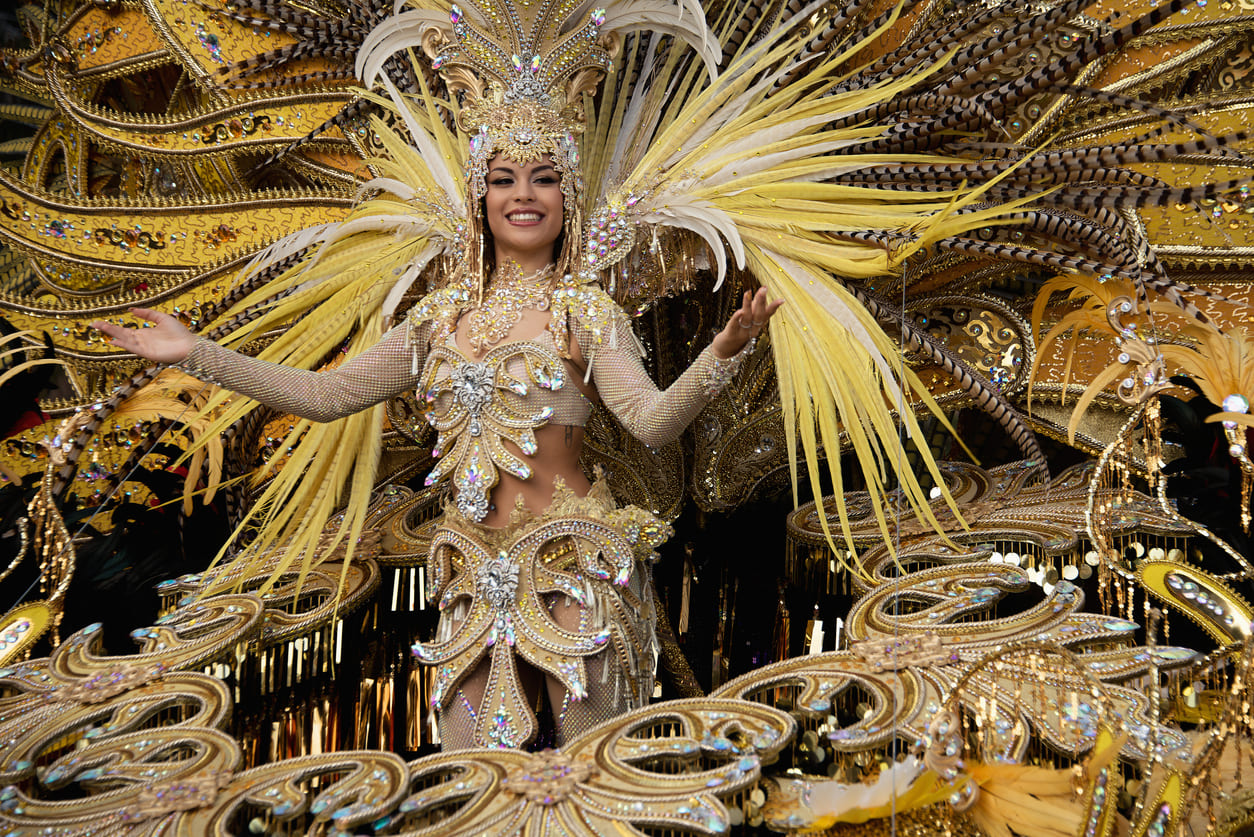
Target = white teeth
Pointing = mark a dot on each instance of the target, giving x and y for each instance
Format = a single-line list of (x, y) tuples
[(524, 216)]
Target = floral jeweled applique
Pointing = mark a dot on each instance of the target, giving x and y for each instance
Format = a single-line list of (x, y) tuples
[(588, 304), (477, 405), (507, 617)]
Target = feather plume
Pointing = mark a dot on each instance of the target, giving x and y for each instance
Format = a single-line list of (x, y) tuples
[(393, 35), (405, 282), (1039, 801), (175, 397), (337, 296), (661, 16), (1221, 364), (13, 371)]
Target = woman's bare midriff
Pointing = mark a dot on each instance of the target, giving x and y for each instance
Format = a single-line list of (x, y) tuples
[(557, 455)]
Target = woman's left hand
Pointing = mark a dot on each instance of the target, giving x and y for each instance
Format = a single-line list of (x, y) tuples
[(747, 323)]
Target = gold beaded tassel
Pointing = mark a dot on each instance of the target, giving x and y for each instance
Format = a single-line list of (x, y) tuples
[(385, 709), (46, 532), (429, 715), (783, 626), (1236, 448), (1152, 441)]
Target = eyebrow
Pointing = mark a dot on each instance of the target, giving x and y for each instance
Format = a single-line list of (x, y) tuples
[(545, 167)]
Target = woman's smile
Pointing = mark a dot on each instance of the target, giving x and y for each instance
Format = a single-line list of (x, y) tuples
[(524, 217)]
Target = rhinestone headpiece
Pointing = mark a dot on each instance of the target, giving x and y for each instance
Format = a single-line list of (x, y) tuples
[(522, 70)]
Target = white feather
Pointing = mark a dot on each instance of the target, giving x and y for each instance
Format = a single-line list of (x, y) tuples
[(402, 285), (720, 118), (400, 225), (735, 106), (629, 137), (750, 164), (658, 16), (284, 247), (387, 184), (427, 149), (817, 288), (392, 35), (708, 222), (763, 137)]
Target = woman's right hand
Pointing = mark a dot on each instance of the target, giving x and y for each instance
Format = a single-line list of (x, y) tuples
[(168, 342)]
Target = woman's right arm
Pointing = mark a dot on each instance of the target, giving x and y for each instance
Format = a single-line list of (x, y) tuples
[(381, 372)]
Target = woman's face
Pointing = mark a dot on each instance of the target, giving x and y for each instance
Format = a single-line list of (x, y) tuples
[(524, 210)]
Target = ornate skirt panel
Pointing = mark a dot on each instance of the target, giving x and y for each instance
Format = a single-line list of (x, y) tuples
[(498, 590)]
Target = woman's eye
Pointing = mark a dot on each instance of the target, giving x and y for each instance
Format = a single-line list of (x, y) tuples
[(501, 181), (547, 179)]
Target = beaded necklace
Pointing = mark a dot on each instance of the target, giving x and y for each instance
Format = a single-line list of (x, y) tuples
[(508, 295)]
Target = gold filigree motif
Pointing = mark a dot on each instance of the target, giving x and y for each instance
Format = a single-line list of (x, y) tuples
[(549, 777)]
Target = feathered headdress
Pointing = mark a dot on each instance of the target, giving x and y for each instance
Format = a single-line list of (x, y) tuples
[(520, 72)]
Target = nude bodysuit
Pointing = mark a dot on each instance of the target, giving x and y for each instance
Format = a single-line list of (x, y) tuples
[(566, 590)]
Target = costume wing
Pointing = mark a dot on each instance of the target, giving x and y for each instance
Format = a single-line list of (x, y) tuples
[(337, 299), (824, 163), (751, 175)]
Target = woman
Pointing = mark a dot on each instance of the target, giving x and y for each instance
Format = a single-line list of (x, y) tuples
[(531, 560)]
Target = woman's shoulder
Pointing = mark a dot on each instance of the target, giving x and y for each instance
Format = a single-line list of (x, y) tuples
[(588, 306), (438, 305)]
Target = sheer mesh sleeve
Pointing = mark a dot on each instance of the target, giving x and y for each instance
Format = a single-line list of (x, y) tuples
[(653, 416), (382, 371)]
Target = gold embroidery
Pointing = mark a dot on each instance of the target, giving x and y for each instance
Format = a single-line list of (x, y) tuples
[(509, 294)]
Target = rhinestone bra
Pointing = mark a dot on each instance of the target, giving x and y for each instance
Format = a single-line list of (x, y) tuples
[(477, 405)]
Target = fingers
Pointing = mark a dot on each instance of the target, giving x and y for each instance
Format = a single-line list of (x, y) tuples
[(154, 317), (128, 338), (756, 310), (108, 329)]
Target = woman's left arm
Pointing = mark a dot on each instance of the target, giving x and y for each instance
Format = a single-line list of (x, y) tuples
[(655, 416)]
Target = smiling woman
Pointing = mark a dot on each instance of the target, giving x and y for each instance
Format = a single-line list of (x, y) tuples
[(542, 580), (523, 208)]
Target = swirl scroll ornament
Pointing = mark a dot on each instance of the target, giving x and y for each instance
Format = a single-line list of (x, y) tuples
[(130, 780), (942, 603), (349, 790), (182, 639), (44, 539), (135, 710), (947, 606), (1021, 698), (178, 701), (22, 626), (987, 334), (1112, 500), (1012, 518), (664, 766), (668, 766), (279, 119), (292, 609), (829, 686)]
